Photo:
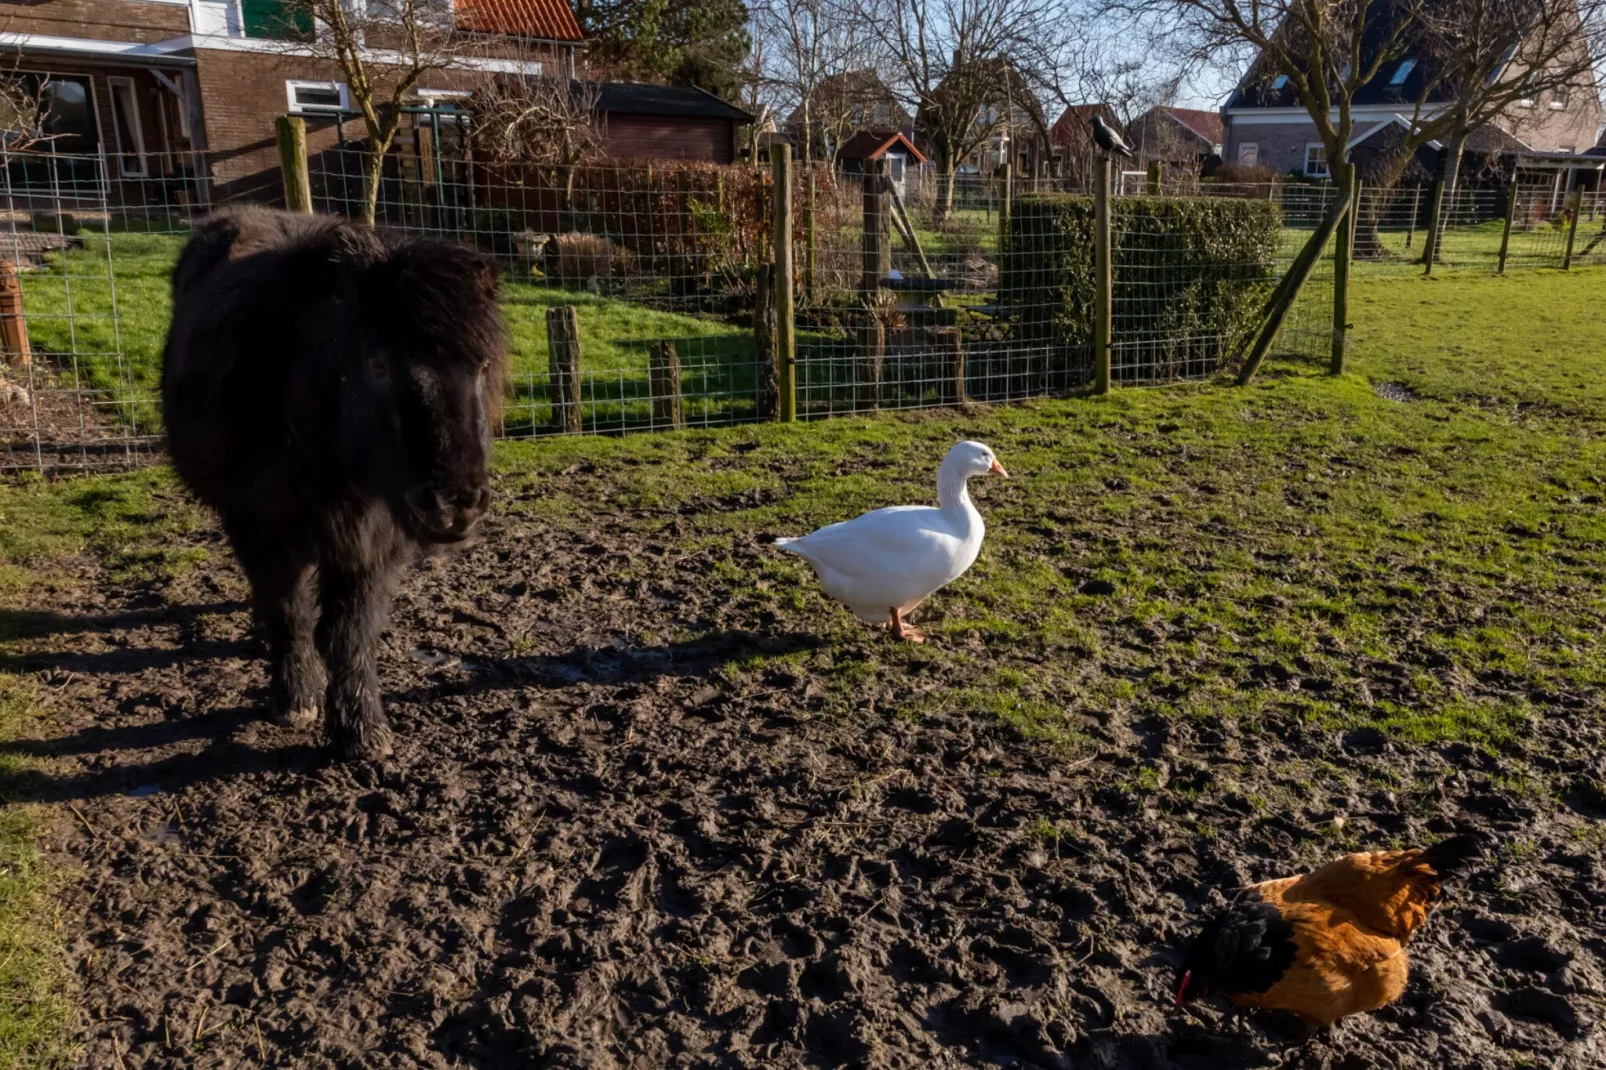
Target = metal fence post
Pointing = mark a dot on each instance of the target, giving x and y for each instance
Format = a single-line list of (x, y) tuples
[(1350, 190), (808, 238), (1572, 228), (1416, 211), (293, 163), (1103, 272), (785, 304), (1511, 219)]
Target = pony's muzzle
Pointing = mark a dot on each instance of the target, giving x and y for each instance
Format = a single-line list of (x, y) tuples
[(448, 513)]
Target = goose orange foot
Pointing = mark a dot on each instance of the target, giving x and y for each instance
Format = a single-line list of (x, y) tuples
[(904, 631)]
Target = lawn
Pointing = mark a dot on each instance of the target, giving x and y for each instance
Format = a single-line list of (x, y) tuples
[(1305, 560)]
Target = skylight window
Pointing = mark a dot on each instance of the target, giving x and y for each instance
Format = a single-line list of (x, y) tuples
[(1403, 71), (1282, 80)]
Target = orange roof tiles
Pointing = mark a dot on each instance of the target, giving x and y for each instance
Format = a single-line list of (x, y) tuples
[(547, 20)]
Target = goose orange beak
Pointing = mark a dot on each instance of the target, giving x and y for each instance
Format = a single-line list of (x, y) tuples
[(998, 470)]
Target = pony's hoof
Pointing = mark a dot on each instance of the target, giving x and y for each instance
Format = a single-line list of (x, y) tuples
[(300, 717), (367, 745)]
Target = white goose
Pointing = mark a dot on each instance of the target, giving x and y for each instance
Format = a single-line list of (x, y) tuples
[(885, 563)]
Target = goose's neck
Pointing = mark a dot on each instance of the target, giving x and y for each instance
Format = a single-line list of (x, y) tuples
[(953, 495)]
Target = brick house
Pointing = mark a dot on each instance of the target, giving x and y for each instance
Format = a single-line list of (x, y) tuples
[(1183, 139), (1266, 125), (181, 95)]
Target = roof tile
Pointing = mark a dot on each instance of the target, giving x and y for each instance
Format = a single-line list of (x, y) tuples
[(546, 20)]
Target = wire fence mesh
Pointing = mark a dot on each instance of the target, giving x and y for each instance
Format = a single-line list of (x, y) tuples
[(906, 295)]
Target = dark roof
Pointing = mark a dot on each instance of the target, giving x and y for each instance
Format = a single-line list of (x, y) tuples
[(684, 102), (1206, 124), (1259, 88), (872, 145), (546, 20)]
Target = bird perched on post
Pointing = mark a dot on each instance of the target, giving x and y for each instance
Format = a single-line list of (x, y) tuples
[(885, 563), (1328, 944), (1109, 139)]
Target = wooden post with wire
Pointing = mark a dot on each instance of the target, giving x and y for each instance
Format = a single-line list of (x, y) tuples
[(785, 302), (1287, 291), (1511, 219), (663, 380), (292, 131), (1104, 282), (1577, 199), (1350, 190), (563, 361)]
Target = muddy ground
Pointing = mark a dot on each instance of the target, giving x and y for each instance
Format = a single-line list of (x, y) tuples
[(594, 849)]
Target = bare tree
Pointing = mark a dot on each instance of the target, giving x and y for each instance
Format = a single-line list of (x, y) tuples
[(959, 62), (550, 121), (24, 110), (383, 48), (824, 65), (1324, 51)]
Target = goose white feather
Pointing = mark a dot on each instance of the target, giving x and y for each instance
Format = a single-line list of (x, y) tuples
[(885, 563)]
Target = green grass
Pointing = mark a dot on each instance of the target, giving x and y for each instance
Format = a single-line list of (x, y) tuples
[(34, 1009), (1303, 555)]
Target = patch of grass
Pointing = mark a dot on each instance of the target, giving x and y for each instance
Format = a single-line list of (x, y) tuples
[(34, 1009), (127, 522)]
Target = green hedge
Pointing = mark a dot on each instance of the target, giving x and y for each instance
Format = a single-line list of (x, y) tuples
[(1191, 275)]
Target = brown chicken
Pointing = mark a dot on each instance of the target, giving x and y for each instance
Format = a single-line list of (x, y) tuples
[(1328, 944)]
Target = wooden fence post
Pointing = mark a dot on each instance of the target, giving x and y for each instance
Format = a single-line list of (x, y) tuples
[(951, 347), (1005, 206), (877, 241), (785, 307), (293, 163), (1343, 254), (563, 361), (1103, 273), (663, 381), (1287, 291), (872, 363), (1572, 228), (1511, 219), (13, 324), (1430, 241)]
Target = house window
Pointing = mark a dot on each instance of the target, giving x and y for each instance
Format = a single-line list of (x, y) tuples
[(1403, 71), (70, 160), (1316, 161), (126, 131), (1560, 97), (1249, 154), (275, 20), (317, 97), (1280, 82), (1571, 149)]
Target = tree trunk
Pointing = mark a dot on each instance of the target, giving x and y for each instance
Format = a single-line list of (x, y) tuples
[(1450, 174), (372, 172), (945, 198)]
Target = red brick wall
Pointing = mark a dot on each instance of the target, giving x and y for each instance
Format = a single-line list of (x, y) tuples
[(653, 137), (98, 20)]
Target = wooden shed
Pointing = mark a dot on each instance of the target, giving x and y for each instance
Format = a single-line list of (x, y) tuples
[(659, 122)]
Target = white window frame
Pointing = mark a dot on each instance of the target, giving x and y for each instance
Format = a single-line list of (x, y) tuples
[(1249, 148), (296, 108), (1560, 97), (113, 84), (1327, 168)]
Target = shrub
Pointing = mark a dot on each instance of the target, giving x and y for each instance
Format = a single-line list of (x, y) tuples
[(1191, 275)]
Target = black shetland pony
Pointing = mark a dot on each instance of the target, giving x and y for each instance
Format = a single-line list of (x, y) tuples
[(331, 392)]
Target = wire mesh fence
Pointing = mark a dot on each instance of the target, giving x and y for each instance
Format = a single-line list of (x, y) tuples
[(905, 296)]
